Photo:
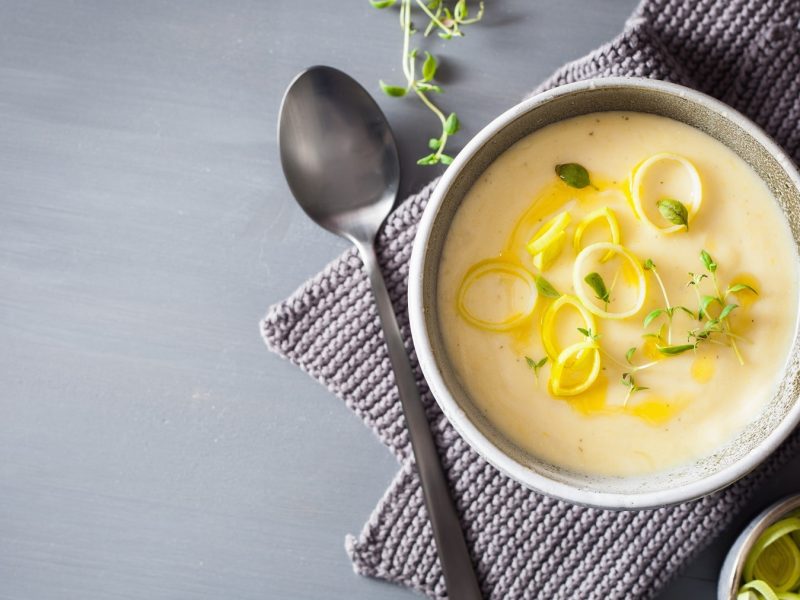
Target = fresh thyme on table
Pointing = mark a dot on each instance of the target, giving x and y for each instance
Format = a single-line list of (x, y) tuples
[(448, 24)]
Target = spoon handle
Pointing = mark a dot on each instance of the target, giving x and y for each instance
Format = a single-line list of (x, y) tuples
[(459, 574)]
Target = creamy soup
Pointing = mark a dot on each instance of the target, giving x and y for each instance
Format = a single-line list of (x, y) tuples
[(618, 293)]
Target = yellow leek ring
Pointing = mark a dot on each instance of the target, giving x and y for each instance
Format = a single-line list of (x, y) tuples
[(548, 233), (613, 225), (637, 181), (496, 266), (580, 289), (772, 535), (557, 372), (549, 318), (779, 564), (757, 590)]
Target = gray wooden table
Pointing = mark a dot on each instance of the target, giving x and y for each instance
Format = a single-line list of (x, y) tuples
[(150, 447)]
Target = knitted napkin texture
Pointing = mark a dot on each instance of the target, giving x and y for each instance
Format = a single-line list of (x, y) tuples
[(525, 545)]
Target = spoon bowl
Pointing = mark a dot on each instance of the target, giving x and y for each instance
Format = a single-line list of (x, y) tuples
[(338, 153)]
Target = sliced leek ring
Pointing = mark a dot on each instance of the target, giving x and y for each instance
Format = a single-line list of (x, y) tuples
[(613, 225), (548, 233), (758, 590), (580, 286), (487, 267), (785, 577), (549, 321), (637, 182), (779, 564), (570, 353)]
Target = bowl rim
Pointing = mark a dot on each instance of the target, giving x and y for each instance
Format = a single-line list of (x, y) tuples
[(435, 379)]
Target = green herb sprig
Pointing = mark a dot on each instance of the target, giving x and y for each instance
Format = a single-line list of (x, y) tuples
[(448, 23), (719, 325), (535, 365), (668, 311)]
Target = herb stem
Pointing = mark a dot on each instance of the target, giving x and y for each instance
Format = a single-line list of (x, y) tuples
[(725, 325), (736, 350), (405, 23), (666, 301), (630, 368), (435, 20), (442, 118)]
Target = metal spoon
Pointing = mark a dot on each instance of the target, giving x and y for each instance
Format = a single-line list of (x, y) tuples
[(340, 159)]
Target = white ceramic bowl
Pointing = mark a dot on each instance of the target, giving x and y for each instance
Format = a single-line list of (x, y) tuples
[(686, 482)]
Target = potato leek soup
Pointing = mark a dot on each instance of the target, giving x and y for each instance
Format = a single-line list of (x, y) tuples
[(617, 293)]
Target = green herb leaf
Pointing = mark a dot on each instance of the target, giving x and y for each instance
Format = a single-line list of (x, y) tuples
[(451, 125), (589, 334), (674, 212), (651, 316), (546, 289), (429, 67), (434, 143), (696, 278), (382, 3), (535, 365), (629, 355), (431, 159), (711, 266), (395, 91), (658, 336), (629, 382), (460, 11), (573, 174), (446, 159), (649, 264), (739, 287), (674, 350), (595, 281), (424, 86), (729, 308), (686, 310)]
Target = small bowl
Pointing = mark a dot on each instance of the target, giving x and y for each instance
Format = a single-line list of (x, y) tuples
[(710, 473), (732, 568)]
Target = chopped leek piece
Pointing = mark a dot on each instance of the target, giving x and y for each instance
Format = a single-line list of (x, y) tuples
[(547, 233), (781, 566), (692, 203), (613, 225), (580, 287), (549, 322), (759, 589), (496, 267), (545, 259), (568, 359)]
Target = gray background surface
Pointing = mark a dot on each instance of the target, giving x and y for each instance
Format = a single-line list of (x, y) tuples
[(150, 447)]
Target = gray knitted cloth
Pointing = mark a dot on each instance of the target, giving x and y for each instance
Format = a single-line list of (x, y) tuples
[(744, 52)]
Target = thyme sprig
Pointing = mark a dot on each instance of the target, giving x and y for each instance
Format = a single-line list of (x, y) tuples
[(448, 24), (719, 325), (667, 311)]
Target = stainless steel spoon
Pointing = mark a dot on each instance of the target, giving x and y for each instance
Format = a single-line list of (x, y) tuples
[(340, 158)]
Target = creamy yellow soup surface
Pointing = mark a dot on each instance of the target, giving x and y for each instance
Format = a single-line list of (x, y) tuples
[(694, 401)]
